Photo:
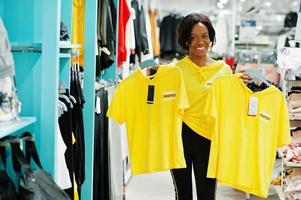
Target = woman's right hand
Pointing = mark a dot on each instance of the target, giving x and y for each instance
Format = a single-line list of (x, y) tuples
[(245, 78)]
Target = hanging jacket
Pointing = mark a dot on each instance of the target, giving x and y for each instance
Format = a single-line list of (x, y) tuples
[(168, 37), (140, 29), (106, 26)]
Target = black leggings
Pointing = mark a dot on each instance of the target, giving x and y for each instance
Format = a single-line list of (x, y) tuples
[(196, 150)]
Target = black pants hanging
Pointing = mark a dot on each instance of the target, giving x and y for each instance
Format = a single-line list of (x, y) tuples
[(101, 183), (196, 150)]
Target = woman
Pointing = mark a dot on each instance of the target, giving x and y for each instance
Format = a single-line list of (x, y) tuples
[(197, 35)]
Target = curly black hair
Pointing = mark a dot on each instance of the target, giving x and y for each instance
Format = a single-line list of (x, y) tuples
[(186, 25)]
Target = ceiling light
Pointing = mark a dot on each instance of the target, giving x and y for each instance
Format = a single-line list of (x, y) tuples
[(223, 1), (220, 5), (295, 3), (242, 0), (268, 4), (279, 18)]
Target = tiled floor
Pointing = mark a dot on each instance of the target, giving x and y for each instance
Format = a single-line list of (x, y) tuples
[(159, 186)]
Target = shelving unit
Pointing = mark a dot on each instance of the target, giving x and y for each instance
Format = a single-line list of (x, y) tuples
[(41, 62), (279, 192), (26, 47), (7, 128), (294, 122)]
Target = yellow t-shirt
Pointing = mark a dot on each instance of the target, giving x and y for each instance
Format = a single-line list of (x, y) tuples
[(198, 80), (243, 147), (153, 130)]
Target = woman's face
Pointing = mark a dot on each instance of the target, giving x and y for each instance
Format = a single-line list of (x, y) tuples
[(199, 40)]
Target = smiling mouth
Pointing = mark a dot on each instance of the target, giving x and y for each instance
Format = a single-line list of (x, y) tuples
[(201, 48)]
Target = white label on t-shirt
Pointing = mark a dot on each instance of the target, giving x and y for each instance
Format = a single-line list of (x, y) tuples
[(253, 106), (97, 107)]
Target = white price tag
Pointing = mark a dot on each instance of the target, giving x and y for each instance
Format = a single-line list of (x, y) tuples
[(97, 108), (253, 106)]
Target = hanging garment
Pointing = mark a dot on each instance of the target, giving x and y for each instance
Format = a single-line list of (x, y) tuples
[(65, 123), (140, 29), (289, 58), (115, 149), (168, 39), (78, 27), (148, 34), (78, 129), (106, 29), (62, 177), (154, 32), (124, 15), (198, 80), (248, 130), (101, 174), (151, 108), (130, 42)]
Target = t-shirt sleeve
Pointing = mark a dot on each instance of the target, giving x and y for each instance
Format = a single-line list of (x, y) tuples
[(284, 137), (183, 98), (116, 109)]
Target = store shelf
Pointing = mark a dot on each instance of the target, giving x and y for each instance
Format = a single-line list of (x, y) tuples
[(279, 192), (294, 83), (7, 128), (291, 164), (295, 122), (26, 47), (68, 45), (65, 55)]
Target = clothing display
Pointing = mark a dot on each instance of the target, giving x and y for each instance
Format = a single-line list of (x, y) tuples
[(116, 91), (289, 58), (115, 155), (193, 76), (78, 27), (151, 107), (141, 39), (106, 29), (65, 124), (254, 131), (101, 180), (168, 40), (154, 32), (124, 15), (78, 128), (62, 177), (294, 105)]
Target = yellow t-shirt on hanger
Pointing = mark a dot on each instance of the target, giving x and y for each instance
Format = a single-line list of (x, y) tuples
[(198, 80), (249, 126), (151, 108), (78, 27)]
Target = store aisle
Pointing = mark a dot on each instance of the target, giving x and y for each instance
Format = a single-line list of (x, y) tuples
[(158, 186)]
